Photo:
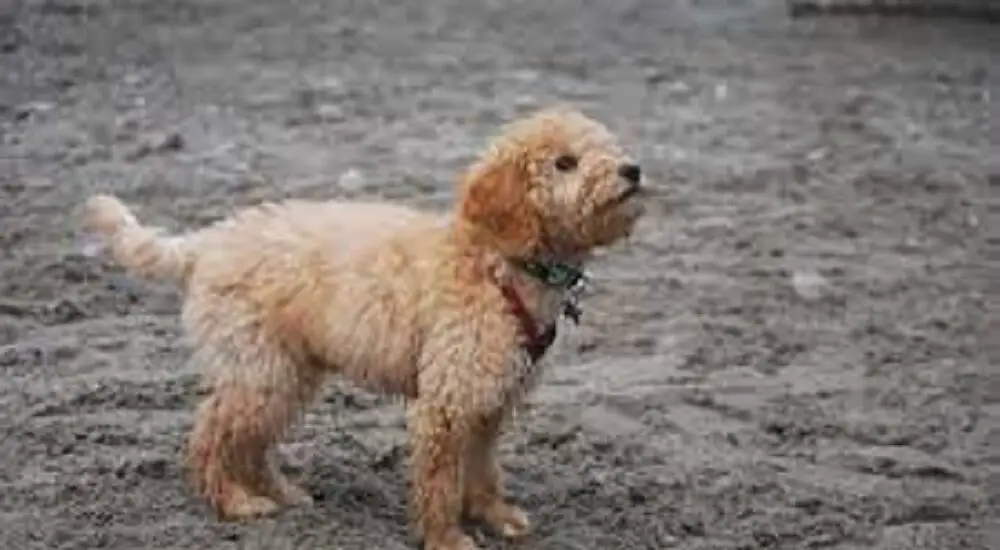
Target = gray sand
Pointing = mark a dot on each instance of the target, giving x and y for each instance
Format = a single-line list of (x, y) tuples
[(789, 354)]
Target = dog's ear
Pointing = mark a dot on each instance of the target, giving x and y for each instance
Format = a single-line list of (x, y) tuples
[(495, 202)]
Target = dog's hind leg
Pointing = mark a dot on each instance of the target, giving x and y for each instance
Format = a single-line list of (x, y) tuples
[(255, 397)]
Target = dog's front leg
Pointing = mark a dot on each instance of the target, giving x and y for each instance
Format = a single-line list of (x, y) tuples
[(484, 494), (438, 438), (464, 377)]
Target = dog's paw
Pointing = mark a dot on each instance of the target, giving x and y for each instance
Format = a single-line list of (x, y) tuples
[(250, 507), (511, 521), (454, 540), (506, 520), (293, 495)]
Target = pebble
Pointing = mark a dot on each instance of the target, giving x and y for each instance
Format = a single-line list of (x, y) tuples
[(351, 180), (809, 285), (27, 110)]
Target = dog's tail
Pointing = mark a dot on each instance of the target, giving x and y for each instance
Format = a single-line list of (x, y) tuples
[(140, 249)]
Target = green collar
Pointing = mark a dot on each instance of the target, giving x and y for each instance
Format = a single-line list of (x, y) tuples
[(553, 274)]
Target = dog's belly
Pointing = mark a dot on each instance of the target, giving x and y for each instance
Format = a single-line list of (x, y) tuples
[(374, 344), (361, 321)]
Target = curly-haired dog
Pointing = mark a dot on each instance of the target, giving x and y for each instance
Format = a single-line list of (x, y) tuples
[(451, 312)]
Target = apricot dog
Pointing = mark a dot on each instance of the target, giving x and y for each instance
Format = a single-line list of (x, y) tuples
[(452, 312)]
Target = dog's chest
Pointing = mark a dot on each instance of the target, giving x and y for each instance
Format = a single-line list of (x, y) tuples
[(529, 363), (538, 345)]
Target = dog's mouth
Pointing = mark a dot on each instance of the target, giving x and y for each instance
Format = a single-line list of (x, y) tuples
[(632, 191), (621, 199)]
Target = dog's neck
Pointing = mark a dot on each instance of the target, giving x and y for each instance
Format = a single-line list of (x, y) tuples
[(550, 284), (545, 276), (554, 264), (543, 301)]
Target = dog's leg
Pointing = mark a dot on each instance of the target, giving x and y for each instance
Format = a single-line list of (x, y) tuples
[(286, 491), (226, 459), (231, 447), (484, 499), (438, 441)]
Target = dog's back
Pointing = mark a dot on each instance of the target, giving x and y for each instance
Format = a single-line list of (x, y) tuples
[(296, 235), (288, 233), (332, 283)]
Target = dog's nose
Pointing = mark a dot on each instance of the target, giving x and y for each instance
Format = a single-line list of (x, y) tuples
[(630, 172)]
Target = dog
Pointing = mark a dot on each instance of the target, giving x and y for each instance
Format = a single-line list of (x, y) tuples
[(452, 311)]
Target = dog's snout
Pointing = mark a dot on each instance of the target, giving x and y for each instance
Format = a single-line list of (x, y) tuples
[(630, 172)]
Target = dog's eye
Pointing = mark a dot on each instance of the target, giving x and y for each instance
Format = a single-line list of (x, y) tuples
[(566, 163)]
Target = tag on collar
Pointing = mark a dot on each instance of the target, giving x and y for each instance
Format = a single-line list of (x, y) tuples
[(572, 311)]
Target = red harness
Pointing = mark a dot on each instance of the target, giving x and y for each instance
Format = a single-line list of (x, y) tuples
[(536, 342)]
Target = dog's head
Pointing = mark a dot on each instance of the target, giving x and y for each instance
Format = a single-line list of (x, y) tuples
[(555, 182)]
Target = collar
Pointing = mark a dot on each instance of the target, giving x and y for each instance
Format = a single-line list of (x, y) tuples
[(552, 274), (537, 342), (556, 275)]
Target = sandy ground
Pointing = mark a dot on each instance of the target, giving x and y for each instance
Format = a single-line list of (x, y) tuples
[(790, 354)]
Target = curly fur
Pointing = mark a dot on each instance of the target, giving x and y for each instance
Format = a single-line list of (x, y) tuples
[(399, 301)]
